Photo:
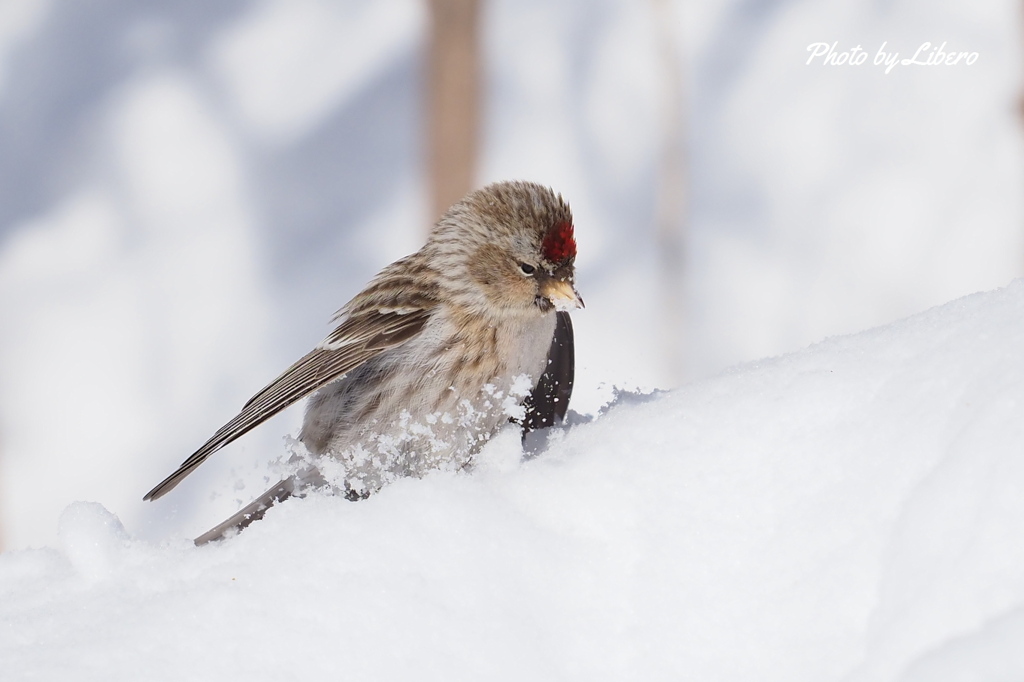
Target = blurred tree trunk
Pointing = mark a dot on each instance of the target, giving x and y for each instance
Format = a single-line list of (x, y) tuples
[(671, 208), (453, 100)]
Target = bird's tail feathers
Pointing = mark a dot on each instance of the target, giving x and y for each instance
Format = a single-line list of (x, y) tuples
[(295, 485)]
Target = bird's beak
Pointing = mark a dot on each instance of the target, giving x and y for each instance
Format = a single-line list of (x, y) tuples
[(562, 294)]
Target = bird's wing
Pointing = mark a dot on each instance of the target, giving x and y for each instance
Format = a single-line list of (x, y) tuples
[(358, 338), (549, 400)]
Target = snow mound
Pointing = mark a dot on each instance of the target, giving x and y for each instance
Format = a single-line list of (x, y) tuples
[(849, 512)]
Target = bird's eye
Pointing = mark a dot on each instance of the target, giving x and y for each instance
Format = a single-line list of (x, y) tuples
[(527, 268)]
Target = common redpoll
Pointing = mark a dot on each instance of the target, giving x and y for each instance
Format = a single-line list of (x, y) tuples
[(433, 356)]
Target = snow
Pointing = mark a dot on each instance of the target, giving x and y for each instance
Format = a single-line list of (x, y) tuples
[(189, 190), (850, 511)]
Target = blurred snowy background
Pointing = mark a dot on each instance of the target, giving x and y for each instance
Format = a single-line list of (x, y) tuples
[(188, 190)]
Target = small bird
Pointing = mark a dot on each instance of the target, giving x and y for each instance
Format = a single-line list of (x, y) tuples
[(428, 361)]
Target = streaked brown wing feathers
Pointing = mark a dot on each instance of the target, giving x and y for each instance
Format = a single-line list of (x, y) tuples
[(358, 338)]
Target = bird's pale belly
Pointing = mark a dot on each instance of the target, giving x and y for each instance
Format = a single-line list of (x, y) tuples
[(406, 413)]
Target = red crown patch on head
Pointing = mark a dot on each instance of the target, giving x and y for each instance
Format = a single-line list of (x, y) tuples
[(559, 244)]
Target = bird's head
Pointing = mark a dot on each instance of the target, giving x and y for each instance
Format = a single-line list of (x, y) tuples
[(511, 247)]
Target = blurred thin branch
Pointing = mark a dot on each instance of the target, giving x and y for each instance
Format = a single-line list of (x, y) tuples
[(672, 195)]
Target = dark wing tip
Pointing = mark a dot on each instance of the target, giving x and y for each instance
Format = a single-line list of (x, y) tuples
[(165, 486), (241, 424), (187, 467)]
